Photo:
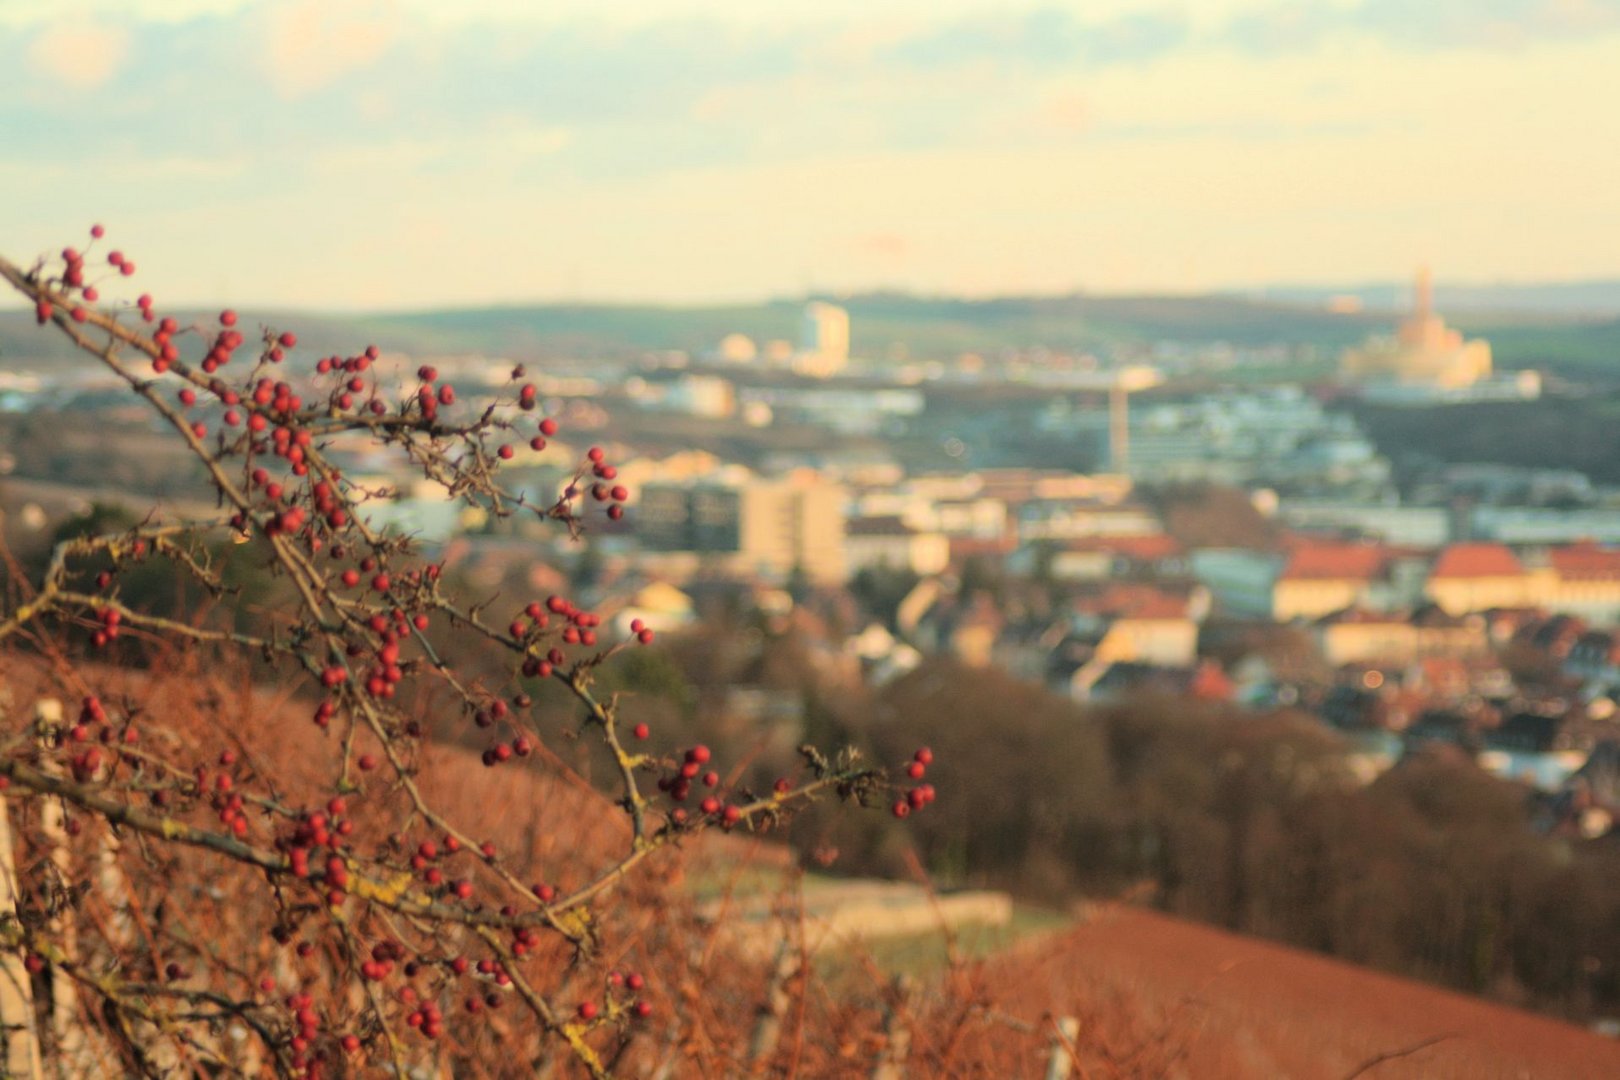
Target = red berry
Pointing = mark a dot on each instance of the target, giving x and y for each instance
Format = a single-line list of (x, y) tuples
[(587, 1010)]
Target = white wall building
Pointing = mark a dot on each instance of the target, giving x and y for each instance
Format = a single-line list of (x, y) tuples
[(824, 341)]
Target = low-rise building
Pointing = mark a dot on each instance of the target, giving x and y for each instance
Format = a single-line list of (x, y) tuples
[(888, 542), (1320, 578), (1586, 582), (1478, 577)]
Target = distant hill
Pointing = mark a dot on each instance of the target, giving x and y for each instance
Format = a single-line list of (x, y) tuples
[(887, 324), (883, 323), (1587, 299)]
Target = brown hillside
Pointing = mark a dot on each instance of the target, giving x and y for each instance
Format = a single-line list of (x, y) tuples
[(1215, 1006)]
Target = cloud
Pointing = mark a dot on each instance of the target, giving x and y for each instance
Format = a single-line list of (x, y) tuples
[(888, 245), (79, 56), (1430, 26), (313, 43), (1046, 37)]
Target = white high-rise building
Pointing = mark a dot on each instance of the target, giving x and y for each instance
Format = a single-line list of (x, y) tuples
[(824, 342)]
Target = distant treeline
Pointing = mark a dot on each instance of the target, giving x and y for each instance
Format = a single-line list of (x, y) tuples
[(1252, 822), (1551, 433)]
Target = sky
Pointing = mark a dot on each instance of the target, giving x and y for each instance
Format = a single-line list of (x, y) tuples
[(366, 154)]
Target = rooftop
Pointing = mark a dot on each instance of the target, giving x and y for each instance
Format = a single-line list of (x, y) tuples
[(1334, 562), (1585, 562), (1477, 560)]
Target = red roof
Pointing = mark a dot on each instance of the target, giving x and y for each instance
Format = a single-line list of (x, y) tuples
[(1149, 548), (1129, 600), (1334, 562), (1476, 561), (1585, 562)]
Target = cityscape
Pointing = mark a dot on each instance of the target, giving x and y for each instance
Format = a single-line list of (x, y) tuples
[(824, 540)]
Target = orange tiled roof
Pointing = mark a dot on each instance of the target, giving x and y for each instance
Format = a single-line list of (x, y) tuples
[(1585, 562), (1334, 562), (1475, 561)]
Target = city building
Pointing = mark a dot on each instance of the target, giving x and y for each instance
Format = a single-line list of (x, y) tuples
[(1413, 526), (774, 528), (1425, 351), (1279, 436), (1319, 579), (1428, 362), (1478, 577), (1586, 582), (736, 349), (1073, 519), (1543, 525), (1358, 636), (1312, 579), (866, 411), (887, 542), (824, 342)]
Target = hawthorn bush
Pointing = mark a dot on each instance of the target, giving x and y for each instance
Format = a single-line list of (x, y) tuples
[(251, 849)]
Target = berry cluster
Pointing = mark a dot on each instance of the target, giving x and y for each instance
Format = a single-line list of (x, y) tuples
[(921, 795)]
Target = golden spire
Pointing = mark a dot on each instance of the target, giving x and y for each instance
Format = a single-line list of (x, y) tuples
[(1423, 296)]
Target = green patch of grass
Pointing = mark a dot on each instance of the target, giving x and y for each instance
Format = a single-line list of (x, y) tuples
[(716, 880), (926, 955)]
